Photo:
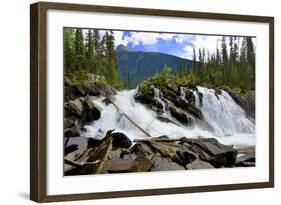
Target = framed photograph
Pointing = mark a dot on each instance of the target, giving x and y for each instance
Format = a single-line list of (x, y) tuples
[(134, 102)]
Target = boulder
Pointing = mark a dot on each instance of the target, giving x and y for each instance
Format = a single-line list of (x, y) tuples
[(165, 164), (199, 164), (72, 132), (93, 142), (180, 115), (142, 148), (172, 85), (246, 160), (91, 112), (212, 151), (114, 154), (76, 106), (120, 140), (97, 89), (189, 96), (142, 164), (82, 110), (186, 155), (118, 165), (189, 108), (67, 123)]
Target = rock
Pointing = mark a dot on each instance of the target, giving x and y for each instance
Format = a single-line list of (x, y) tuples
[(194, 111), (186, 155), (72, 132), (114, 154), (142, 164), (76, 106), (97, 89), (67, 123), (141, 148), (165, 149), (82, 110), (70, 149), (91, 112), (189, 108), (118, 165), (212, 151), (120, 140), (130, 156), (172, 85), (180, 115), (199, 164), (165, 164), (246, 160), (189, 95), (93, 142), (247, 150), (87, 88)]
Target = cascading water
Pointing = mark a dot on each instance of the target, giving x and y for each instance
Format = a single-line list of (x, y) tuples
[(230, 124), (223, 114)]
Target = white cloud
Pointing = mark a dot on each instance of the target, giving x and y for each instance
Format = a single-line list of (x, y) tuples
[(144, 38), (183, 38)]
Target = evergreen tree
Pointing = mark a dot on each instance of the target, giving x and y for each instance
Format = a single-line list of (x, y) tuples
[(79, 49), (224, 59), (68, 39)]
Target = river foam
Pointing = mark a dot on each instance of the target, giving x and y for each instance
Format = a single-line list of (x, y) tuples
[(228, 120)]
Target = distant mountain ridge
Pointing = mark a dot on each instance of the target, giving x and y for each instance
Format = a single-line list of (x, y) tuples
[(135, 66)]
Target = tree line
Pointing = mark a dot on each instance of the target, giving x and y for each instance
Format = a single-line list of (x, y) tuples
[(90, 54), (229, 65)]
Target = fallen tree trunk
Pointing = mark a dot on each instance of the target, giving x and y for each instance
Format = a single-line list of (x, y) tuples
[(79, 164), (157, 140), (125, 115)]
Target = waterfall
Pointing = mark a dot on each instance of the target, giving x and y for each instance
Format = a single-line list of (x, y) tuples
[(182, 93), (228, 120), (158, 96), (223, 113)]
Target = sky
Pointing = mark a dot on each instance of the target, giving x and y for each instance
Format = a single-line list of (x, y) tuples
[(180, 45)]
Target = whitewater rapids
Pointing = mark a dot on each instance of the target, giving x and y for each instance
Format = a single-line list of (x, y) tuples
[(227, 119)]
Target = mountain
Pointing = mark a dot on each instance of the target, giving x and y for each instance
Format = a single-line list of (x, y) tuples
[(139, 65)]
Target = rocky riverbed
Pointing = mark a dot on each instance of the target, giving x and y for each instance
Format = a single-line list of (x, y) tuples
[(115, 151)]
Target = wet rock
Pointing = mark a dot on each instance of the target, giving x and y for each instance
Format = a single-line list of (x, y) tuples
[(199, 164), (171, 85), (186, 155), (189, 108), (91, 112), (189, 96), (93, 142), (72, 132), (70, 149), (165, 164), (246, 160), (120, 140), (180, 115)]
